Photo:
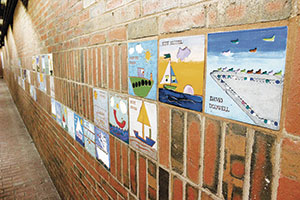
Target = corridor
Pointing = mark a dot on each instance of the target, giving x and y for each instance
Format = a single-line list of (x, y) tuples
[(22, 173)]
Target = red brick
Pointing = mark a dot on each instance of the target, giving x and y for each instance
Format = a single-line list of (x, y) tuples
[(117, 34), (97, 38), (292, 116), (133, 175), (94, 66), (112, 155), (211, 154), (105, 67), (164, 135), (261, 166), (191, 192), (117, 67), (193, 147), (205, 196), (110, 68), (288, 189), (177, 189), (125, 163), (90, 66), (235, 12), (99, 64), (152, 186), (124, 68), (118, 160), (142, 178)]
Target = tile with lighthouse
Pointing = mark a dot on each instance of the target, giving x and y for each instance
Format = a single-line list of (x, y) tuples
[(181, 71), (118, 116), (142, 69), (143, 126)]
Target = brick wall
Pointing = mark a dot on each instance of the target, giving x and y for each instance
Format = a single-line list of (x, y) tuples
[(199, 156)]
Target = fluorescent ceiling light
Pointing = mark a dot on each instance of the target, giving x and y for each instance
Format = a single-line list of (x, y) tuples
[(3, 2), (1, 21)]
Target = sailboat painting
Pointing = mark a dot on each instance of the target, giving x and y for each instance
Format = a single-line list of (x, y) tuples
[(143, 126), (248, 85), (181, 70), (78, 126), (89, 137), (142, 69), (118, 117), (100, 100), (102, 147)]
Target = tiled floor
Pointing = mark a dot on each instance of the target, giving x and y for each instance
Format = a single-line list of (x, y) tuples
[(22, 173)]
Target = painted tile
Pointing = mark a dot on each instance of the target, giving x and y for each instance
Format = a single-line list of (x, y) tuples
[(245, 75), (181, 70), (33, 61), (78, 126), (102, 147), (33, 92), (101, 109), (52, 87), (89, 137), (53, 108), (42, 82), (50, 61), (70, 118), (38, 63), (45, 64), (143, 126), (58, 108), (142, 69), (28, 76), (64, 117), (118, 117)]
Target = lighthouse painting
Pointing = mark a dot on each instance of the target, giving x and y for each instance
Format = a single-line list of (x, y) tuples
[(143, 126)]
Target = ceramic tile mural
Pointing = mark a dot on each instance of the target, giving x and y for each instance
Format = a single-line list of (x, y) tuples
[(142, 69), (70, 118), (58, 111), (118, 117), (42, 82), (89, 137), (102, 147), (33, 92), (64, 117), (181, 71), (78, 127), (245, 75), (100, 99), (143, 126), (52, 88)]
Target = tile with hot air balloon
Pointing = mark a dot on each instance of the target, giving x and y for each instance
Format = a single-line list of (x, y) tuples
[(143, 126), (245, 75), (89, 137), (78, 128), (118, 116), (181, 71), (142, 69)]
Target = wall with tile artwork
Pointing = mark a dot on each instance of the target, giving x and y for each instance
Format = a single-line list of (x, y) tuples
[(156, 99)]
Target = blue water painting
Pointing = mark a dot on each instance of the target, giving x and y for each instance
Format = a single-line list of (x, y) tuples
[(183, 100)]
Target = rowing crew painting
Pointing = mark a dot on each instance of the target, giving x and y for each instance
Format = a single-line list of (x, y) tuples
[(245, 75)]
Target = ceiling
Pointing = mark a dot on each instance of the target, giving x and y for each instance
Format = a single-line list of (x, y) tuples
[(7, 8)]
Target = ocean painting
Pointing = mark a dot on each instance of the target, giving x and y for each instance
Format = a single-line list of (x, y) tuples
[(102, 147), (245, 75), (181, 71), (78, 127), (89, 137), (118, 117), (100, 100), (143, 126), (142, 69)]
